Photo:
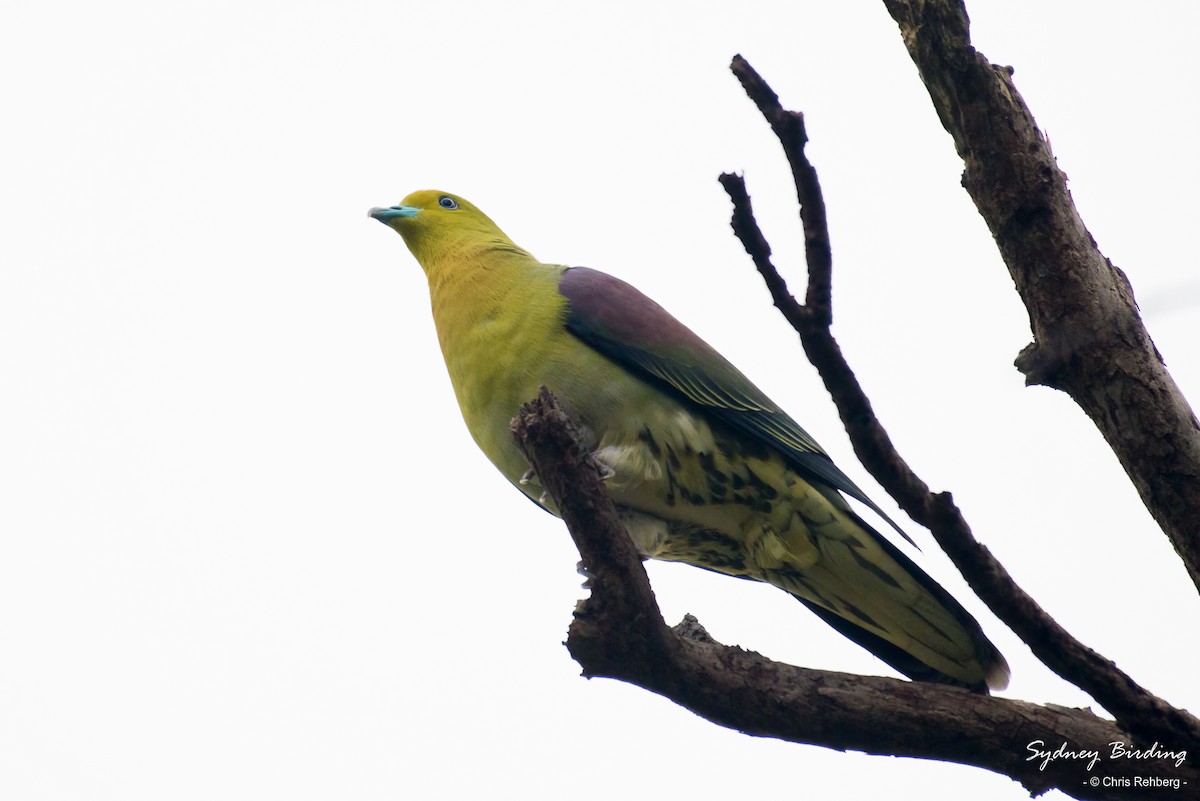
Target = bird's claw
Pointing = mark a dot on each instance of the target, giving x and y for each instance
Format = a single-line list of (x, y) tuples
[(527, 476), (602, 468)]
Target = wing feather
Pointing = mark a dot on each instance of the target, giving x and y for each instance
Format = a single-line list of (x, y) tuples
[(620, 322)]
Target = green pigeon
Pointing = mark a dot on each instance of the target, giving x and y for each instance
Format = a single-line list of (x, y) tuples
[(704, 468)]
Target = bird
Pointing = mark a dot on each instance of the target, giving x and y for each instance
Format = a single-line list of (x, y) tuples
[(702, 466)]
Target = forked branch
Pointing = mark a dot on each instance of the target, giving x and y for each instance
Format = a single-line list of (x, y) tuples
[(1146, 716)]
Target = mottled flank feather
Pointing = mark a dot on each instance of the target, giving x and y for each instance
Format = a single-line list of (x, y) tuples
[(754, 516), (705, 469)]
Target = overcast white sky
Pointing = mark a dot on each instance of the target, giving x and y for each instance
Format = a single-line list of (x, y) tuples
[(247, 548)]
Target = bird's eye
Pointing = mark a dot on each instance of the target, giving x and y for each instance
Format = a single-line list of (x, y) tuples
[(447, 202)]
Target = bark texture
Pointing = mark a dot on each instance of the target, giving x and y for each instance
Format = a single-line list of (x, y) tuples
[(1088, 338)]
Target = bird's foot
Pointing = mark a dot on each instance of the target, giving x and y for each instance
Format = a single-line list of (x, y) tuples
[(603, 469)]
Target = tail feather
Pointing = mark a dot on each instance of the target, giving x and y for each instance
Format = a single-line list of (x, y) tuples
[(869, 591), (893, 655)]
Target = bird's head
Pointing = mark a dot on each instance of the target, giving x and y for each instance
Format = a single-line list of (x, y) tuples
[(438, 224)]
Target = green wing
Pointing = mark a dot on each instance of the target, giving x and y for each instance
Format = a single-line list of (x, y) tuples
[(626, 326)]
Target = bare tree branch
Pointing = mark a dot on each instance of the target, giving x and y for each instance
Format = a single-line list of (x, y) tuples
[(1146, 716), (1089, 340), (619, 633)]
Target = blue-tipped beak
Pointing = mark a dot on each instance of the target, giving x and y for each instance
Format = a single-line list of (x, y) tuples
[(386, 214)]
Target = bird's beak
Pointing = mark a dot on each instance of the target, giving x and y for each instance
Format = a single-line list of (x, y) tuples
[(385, 214)]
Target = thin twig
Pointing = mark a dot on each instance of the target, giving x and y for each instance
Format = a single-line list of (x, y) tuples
[(1143, 714)]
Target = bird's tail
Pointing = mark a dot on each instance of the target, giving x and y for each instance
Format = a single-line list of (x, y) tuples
[(869, 591)]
